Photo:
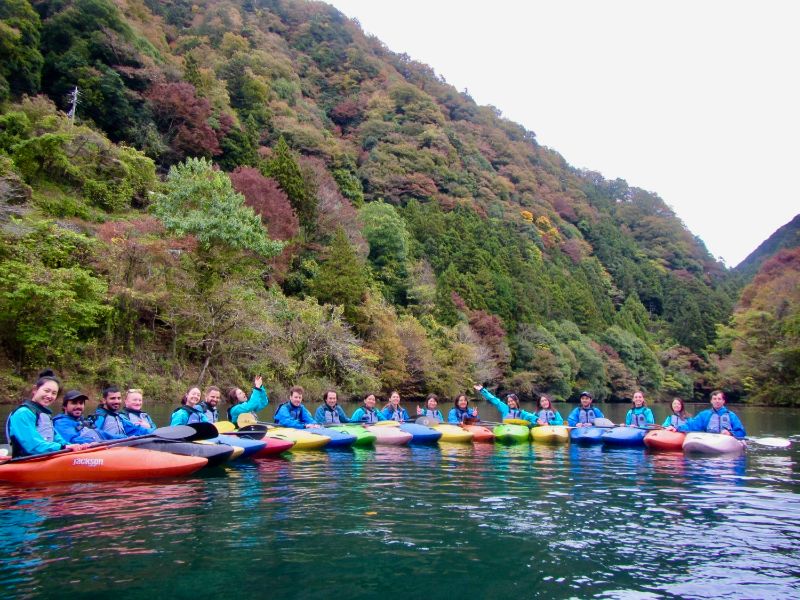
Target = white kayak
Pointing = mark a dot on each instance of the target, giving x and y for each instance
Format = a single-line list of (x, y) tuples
[(712, 443)]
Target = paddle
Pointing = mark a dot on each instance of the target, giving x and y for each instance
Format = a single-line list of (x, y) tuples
[(770, 442), (177, 432), (427, 421)]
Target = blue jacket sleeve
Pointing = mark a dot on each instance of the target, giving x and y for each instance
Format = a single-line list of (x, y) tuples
[(179, 417), (528, 416), (342, 415), (357, 416), (284, 418), (629, 417), (496, 402), (649, 418), (667, 422), (737, 429), (131, 429), (387, 414), (452, 417), (258, 401), (319, 415), (572, 418), (697, 423), (557, 419), (22, 425)]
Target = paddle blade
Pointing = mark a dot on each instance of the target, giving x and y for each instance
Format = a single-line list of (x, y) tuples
[(202, 431), (602, 422), (771, 442), (427, 421), (225, 426), (178, 432), (246, 419)]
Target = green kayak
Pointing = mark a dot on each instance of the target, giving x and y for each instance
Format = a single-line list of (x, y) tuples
[(363, 437), (511, 434)]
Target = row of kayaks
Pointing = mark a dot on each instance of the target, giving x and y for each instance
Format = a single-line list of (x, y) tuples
[(149, 457)]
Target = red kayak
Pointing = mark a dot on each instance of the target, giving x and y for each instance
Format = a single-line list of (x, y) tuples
[(274, 446), (102, 464), (663, 439), (480, 433)]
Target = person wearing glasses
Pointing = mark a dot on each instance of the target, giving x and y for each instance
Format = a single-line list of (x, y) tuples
[(134, 399)]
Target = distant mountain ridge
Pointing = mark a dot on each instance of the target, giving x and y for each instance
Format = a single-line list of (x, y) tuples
[(787, 236)]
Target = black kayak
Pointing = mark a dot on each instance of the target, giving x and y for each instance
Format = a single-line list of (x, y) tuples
[(216, 454)]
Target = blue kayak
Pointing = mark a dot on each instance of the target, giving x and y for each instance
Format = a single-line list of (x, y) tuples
[(422, 433), (587, 435), (624, 436), (250, 446), (338, 439)]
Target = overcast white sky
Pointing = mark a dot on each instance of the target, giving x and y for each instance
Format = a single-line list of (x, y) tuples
[(698, 101)]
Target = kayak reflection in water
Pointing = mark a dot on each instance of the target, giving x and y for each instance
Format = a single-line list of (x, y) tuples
[(679, 415), (29, 428), (393, 411), (330, 411), (293, 413), (585, 414), (241, 404), (368, 413), (188, 412), (509, 409), (547, 415), (716, 419), (639, 415), (461, 413), (73, 427)]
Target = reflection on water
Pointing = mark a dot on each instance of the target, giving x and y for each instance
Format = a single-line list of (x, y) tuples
[(435, 521)]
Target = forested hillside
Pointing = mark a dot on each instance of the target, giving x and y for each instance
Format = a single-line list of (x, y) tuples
[(786, 237), (258, 186)]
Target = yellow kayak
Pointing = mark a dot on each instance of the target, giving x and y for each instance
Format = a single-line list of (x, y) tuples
[(453, 433), (551, 434), (302, 438)]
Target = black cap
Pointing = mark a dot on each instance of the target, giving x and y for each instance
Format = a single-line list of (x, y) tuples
[(585, 393), (73, 395)]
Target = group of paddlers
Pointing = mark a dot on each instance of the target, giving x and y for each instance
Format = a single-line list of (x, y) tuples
[(31, 428)]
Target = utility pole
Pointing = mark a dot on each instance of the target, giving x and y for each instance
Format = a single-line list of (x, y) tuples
[(73, 97)]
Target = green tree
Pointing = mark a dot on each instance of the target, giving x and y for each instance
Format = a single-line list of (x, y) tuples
[(284, 168), (20, 59), (200, 201), (385, 231), (342, 278)]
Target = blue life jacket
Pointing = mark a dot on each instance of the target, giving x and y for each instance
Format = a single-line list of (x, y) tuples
[(586, 416), (547, 415), (719, 422), (463, 414), (331, 414), (513, 413), (639, 418), (396, 413), (370, 415), (139, 417), (676, 420), (211, 413), (44, 425), (433, 413), (194, 414), (83, 428), (111, 421)]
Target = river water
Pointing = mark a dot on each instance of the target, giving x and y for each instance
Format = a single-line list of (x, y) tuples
[(447, 521)]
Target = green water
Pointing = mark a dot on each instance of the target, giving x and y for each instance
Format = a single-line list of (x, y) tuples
[(447, 521)]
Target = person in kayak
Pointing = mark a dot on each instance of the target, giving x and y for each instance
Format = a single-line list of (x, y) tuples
[(71, 425), (547, 415), (188, 412), (330, 411), (367, 414), (431, 409), (29, 427), (679, 415), (585, 414), (108, 418), (293, 413), (510, 409), (716, 419), (639, 415), (210, 402), (134, 399), (393, 411), (241, 404), (461, 412)]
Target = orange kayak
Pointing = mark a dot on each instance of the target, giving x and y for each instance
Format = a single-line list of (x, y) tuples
[(480, 433), (662, 439), (103, 464)]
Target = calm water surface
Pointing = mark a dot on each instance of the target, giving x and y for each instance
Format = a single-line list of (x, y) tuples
[(450, 521)]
